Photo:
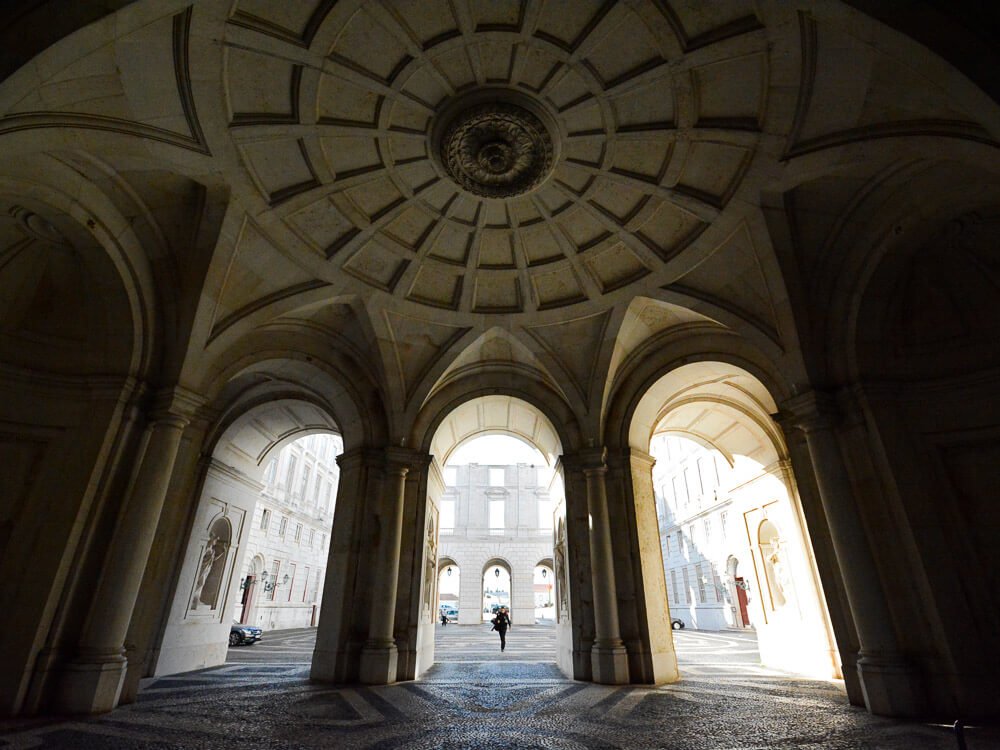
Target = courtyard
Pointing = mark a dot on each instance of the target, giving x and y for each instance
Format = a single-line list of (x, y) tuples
[(476, 697)]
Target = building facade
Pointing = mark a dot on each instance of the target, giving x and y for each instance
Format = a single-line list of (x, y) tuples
[(733, 552), (282, 583), (495, 531)]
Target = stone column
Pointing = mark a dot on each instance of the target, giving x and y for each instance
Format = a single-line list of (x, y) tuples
[(379, 656), (92, 682), (346, 594), (890, 685), (609, 660)]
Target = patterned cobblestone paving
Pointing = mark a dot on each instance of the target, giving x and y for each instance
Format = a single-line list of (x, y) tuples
[(474, 697)]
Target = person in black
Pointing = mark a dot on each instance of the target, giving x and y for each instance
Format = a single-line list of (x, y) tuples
[(500, 624)]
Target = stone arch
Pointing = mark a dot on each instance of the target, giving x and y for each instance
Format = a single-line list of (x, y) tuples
[(258, 422), (266, 374), (77, 333), (727, 410), (631, 394), (449, 398)]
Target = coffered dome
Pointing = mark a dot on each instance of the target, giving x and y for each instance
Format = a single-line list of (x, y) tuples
[(502, 158)]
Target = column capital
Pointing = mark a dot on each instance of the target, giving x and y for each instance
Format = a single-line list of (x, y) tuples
[(400, 461), (811, 411), (355, 457), (587, 460), (176, 405)]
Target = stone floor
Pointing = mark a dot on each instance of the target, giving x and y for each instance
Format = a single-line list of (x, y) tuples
[(476, 697)]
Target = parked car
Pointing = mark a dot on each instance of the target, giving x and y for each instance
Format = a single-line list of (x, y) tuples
[(676, 624), (243, 635)]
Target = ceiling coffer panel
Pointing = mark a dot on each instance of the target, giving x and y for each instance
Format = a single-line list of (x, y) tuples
[(498, 157)]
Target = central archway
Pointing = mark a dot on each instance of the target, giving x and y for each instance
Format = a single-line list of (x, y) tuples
[(491, 514)]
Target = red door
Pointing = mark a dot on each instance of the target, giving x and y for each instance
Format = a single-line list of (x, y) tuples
[(741, 594), (248, 591)]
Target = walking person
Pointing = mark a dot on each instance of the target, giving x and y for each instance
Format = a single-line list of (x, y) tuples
[(500, 624)]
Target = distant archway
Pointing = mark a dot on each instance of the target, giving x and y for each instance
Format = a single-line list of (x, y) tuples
[(497, 587)]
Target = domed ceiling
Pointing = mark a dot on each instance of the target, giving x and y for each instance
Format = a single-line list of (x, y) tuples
[(495, 157)]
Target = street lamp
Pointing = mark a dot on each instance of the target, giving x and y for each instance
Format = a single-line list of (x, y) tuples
[(271, 582), (449, 570)]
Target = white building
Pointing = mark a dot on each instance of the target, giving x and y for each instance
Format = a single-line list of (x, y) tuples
[(732, 552), (496, 538), (282, 583)]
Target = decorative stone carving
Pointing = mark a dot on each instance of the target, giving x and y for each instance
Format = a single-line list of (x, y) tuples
[(497, 149)]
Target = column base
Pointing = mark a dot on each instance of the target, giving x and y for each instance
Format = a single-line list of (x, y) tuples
[(609, 664), (891, 687), (378, 663), (91, 684)]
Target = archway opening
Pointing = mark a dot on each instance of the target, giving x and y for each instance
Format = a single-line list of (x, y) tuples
[(497, 589), (543, 587), (737, 567), (449, 588), (256, 557), (498, 504)]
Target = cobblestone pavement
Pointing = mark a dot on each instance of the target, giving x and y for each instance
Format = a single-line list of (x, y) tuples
[(475, 697)]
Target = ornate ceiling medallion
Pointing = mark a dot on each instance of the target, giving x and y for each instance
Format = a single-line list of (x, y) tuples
[(494, 147)]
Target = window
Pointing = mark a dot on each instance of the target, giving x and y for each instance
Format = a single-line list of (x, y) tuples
[(496, 477), (312, 536), (666, 546), (680, 543), (687, 586), (701, 582), (305, 481), (305, 585), (691, 540), (272, 469), (673, 585), (708, 530), (688, 488), (674, 483), (291, 582), (282, 526), (718, 584), (496, 516), (447, 516), (322, 541), (450, 476), (329, 492), (275, 569), (701, 475), (290, 474), (723, 517), (298, 532), (316, 489), (265, 519)]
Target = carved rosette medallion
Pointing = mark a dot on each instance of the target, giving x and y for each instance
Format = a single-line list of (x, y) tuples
[(497, 149)]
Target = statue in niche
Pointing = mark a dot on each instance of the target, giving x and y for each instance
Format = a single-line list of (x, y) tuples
[(775, 564), (562, 586), (430, 567), (211, 569)]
